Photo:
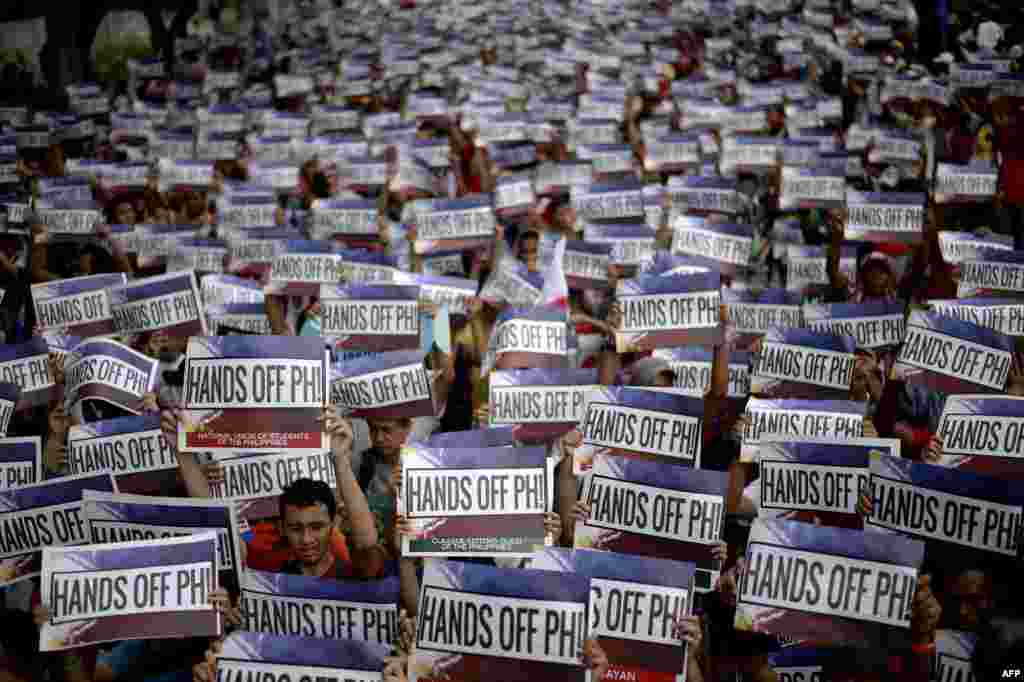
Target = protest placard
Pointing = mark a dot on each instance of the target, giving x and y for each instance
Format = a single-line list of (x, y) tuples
[(704, 194), (608, 201), (517, 624), (42, 515), (302, 266), (260, 656), (475, 502), (872, 325), (233, 319), (586, 264), (968, 183), (954, 651), (452, 292), (634, 605), (836, 585), (753, 313), (800, 419), (511, 282), (725, 247), (692, 368), (491, 437), (953, 356), (655, 509), (151, 589), (942, 505), (21, 461), (668, 311), (803, 364), (119, 517), (384, 386), (77, 218), (1004, 315), (807, 268), (133, 449), (101, 369), (801, 663), (534, 337), (362, 266), (9, 395), (306, 606), (993, 272), (669, 264), (959, 247), (254, 393), (27, 366), (817, 480), (78, 305), (749, 154), (540, 403), (380, 318), (558, 177), (331, 218), (168, 302), (884, 216), (632, 243), (640, 423), (464, 223), (220, 289), (983, 434), (255, 248), (804, 187), (254, 482)]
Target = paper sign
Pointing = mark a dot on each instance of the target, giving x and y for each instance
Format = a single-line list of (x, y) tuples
[(872, 325), (640, 423), (555, 604), (251, 655), (26, 365), (754, 313), (799, 419), (129, 590), (78, 305), (378, 318), (953, 356), (304, 606), (116, 517), (168, 302), (21, 461), (668, 311), (134, 449), (256, 394), (468, 502), (254, 482), (724, 247), (827, 584), (384, 386), (109, 371), (797, 363), (975, 513), (884, 217), (540, 403), (654, 509), (42, 515), (634, 602)]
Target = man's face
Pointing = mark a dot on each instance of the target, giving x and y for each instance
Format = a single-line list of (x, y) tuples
[(124, 214), (388, 435), (968, 600), (307, 530), (528, 253)]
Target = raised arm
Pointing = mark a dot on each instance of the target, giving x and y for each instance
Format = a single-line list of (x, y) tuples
[(363, 522)]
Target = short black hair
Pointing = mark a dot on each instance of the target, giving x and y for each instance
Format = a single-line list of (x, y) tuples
[(305, 492)]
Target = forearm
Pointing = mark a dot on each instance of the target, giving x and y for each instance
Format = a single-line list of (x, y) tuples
[(275, 313), (192, 474), (410, 585), (39, 271), (566, 500), (609, 364), (364, 525)]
